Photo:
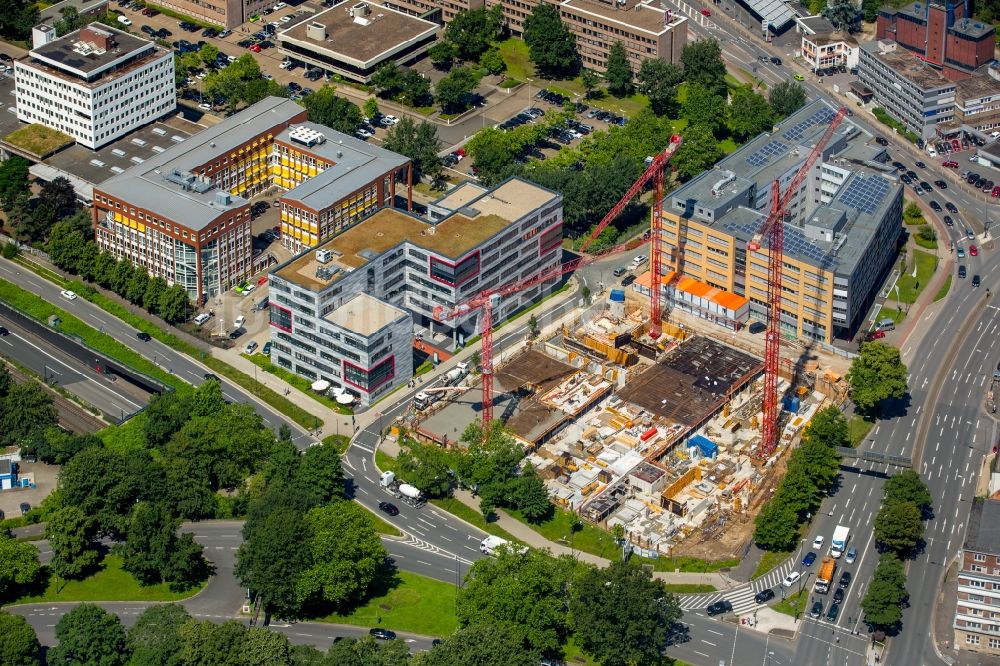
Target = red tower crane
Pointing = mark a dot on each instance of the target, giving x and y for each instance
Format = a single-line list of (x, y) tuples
[(485, 300), (773, 230)]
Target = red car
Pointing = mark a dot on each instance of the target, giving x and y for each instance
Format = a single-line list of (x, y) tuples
[(255, 48), (973, 250), (950, 164), (996, 191), (705, 12), (877, 334)]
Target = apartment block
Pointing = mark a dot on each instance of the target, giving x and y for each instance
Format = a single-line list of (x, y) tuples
[(644, 28), (96, 84), (943, 34), (226, 13), (442, 11), (353, 42), (184, 213), (829, 49), (476, 239), (840, 236), (910, 90), (977, 610)]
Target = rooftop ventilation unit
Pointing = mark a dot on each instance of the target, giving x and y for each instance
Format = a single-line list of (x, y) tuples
[(324, 256), (306, 136), (727, 177), (223, 198), (201, 185), (326, 272)]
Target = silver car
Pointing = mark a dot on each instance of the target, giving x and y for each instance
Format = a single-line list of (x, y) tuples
[(852, 554)]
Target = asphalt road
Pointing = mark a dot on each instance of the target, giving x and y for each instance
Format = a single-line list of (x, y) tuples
[(58, 367), (155, 351)]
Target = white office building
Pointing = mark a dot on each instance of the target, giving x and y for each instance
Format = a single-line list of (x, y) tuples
[(96, 84)]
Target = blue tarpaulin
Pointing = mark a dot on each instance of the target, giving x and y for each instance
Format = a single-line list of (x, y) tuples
[(708, 448)]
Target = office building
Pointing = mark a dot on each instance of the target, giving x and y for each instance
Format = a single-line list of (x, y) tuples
[(439, 11), (944, 34), (977, 103), (910, 90), (184, 213), (225, 13), (840, 237), (476, 238), (977, 609), (95, 84), (354, 41), (643, 27), (829, 49)]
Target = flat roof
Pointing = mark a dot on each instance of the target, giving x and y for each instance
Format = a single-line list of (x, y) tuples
[(977, 86), (640, 15), (361, 38), (816, 24), (973, 28), (365, 315), (453, 236), (775, 12), (355, 163), (692, 382), (70, 52), (460, 195), (983, 533), (909, 66), (531, 418), (146, 184)]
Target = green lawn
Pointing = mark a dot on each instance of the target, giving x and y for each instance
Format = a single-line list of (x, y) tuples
[(769, 562), (689, 588), (127, 437), (471, 516), (910, 287), (589, 539), (943, 291), (383, 527), (793, 604), (689, 564), (340, 442), (515, 55), (858, 428), (893, 314), (303, 384), (410, 603), (384, 461), (110, 583)]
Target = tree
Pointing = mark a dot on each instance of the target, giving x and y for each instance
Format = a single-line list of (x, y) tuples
[(492, 61), (776, 527), (843, 14), (174, 303), (828, 426), (622, 615), (31, 222), (619, 72), (452, 91), (551, 45), (155, 289), (90, 636), (798, 490), (749, 113), (347, 554), (320, 475), (869, 8), (263, 647), (590, 81), (13, 181), (58, 194), (135, 290), (327, 108), (480, 645), (65, 246), (443, 54), (18, 643), (529, 495), (877, 373), (699, 151), (520, 594), (208, 53), (18, 565), (898, 526), (533, 325), (419, 143), (472, 31), (153, 551), (17, 17), (886, 592), (388, 79), (907, 486), (705, 108), (166, 414), (703, 66), (370, 108), (70, 21), (205, 643), (416, 90), (426, 466), (274, 554), (658, 80), (208, 399), (818, 462), (155, 638), (68, 532), (27, 411)]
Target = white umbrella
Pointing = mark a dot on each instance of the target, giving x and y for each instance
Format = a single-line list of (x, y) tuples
[(320, 385), (345, 399)]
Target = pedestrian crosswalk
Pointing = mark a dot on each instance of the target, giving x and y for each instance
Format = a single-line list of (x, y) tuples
[(742, 597)]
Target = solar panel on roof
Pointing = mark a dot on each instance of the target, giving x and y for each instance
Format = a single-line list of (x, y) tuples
[(764, 154), (865, 193), (820, 117)]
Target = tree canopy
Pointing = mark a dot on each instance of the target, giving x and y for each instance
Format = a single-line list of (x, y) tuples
[(658, 80), (843, 14), (877, 373), (90, 636), (480, 645), (704, 107), (18, 643), (550, 43), (155, 638), (882, 603), (699, 151), (703, 65), (619, 72), (453, 91), (68, 532), (328, 108), (749, 113), (907, 486), (419, 143), (472, 31), (898, 526), (19, 566)]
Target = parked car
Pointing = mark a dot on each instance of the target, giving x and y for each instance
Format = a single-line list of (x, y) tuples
[(251, 348), (266, 349), (25, 508), (719, 607)]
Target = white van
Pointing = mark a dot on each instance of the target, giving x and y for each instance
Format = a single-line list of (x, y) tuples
[(887, 324), (124, 20), (201, 319)]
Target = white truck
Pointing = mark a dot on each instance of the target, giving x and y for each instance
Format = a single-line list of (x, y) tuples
[(402, 491), (838, 544), (492, 543), (457, 374)]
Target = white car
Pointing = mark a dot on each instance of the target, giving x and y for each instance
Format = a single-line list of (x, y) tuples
[(251, 348), (240, 321), (249, 288), (124, 20), (392, 120), (205, 106), (280, 6), (818, 542), (68, 295), (286, 19), (791, 578)]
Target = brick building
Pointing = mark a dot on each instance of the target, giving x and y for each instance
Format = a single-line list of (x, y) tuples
[(977, 610), (944, 35)]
